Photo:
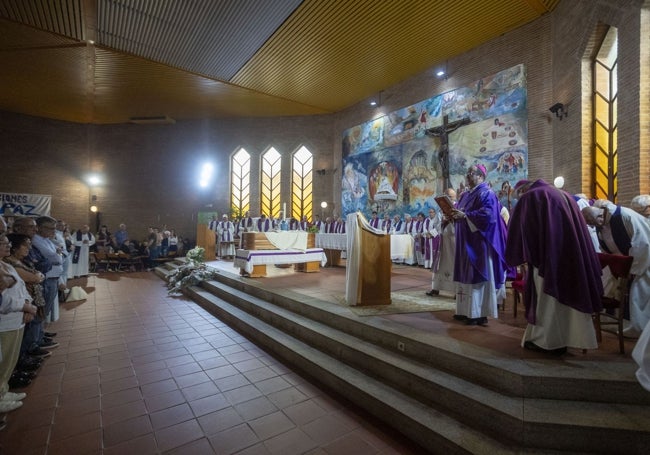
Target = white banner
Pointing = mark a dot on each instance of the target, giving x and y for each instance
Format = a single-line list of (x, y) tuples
[(18, 204)]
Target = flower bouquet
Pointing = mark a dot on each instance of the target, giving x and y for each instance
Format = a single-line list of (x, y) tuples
[(196, 255), (191, 273)]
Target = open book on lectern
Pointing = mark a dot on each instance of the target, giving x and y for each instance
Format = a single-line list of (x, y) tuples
[(363, 222), (445, 205)]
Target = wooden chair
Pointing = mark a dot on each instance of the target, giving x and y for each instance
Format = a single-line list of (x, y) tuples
[(92, 264), (171, 255), (517, 285), (101, 261), (134, 263), (114, 262), (615, 302)]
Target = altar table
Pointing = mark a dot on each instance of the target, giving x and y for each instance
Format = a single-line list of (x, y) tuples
[(253, 262), (402, 248), (333, 244)]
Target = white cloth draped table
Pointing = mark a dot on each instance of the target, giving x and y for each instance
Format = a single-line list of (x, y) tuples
[(332, 241), (401, 247), (247, 259), (288, 240)]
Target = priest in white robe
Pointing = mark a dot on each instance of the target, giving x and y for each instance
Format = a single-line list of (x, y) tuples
[(443, 266), (624, 231), (225, 238), (82, 240)]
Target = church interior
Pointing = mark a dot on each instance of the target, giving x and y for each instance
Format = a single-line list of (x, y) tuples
[(142, 93)]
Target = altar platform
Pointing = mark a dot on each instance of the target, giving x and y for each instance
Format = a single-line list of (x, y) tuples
[(502, 335)]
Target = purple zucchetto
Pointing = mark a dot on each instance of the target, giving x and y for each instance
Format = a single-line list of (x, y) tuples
[(521, 183)]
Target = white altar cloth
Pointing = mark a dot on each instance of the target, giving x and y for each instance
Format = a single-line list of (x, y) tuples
[(247, 259), (288, 240), (332, 241), (401, 245), (401, 248)]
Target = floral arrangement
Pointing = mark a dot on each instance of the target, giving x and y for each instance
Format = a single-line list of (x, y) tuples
[(191, 273), (188, 275), (313, 230), (196, 255)]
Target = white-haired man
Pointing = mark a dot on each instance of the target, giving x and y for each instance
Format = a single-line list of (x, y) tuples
[(641, 205), (624, 231)]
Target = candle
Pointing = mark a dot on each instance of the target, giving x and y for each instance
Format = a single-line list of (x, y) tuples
[(284, 210)]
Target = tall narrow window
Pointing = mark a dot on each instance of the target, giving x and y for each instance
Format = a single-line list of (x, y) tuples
[(271, 180), (605, 118), (240, 175), (302, 184)]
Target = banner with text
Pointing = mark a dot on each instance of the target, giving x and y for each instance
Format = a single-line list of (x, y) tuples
[(19, 204)]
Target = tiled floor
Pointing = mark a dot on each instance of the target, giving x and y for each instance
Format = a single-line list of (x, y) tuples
[(140, 372)]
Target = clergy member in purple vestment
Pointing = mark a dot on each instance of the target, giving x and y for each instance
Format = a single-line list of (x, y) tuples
[(264, 224), (304, 224), (431, 235), (563, 284), (479, 262), (320, 225), (443, 267), (418, 235), (225, 238), (374, 220)]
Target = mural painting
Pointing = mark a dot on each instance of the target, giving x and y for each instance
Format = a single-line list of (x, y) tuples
[(398, 163)]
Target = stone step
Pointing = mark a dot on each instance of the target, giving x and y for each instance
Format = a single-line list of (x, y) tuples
[(433, 430), (495, 413)]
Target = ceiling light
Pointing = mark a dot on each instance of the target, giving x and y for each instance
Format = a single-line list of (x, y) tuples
[(154, 120), (93, 180), (440, 73)]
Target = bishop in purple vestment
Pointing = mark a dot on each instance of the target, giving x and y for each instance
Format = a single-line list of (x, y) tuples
[(479, 263), (563, 284)]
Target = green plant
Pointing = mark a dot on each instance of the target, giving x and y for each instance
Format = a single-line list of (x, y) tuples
[(313, 230)]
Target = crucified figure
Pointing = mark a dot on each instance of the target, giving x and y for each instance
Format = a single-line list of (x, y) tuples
[(442, 132)]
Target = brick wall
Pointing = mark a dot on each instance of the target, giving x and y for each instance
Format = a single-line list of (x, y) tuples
[(151, 171)]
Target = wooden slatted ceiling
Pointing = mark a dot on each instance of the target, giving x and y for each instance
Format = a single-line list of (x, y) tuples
[(210, 37), (63, 17), (362, 46), (192, 96), (320, 57)]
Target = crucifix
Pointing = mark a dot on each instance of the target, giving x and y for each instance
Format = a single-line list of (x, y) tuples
[(442, 132)]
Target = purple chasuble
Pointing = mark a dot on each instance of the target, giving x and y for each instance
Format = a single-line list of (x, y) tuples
[(482, 208), (548, 231), (263, 226)]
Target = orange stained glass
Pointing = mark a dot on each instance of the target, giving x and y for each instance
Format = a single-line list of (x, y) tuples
[(240, 177), (605, 118), (271, 183), (302, 183)]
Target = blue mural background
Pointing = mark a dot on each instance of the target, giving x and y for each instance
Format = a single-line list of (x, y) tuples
[(391, 165)]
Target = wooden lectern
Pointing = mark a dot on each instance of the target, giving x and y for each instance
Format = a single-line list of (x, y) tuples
[(372, 263), (206, 238)]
